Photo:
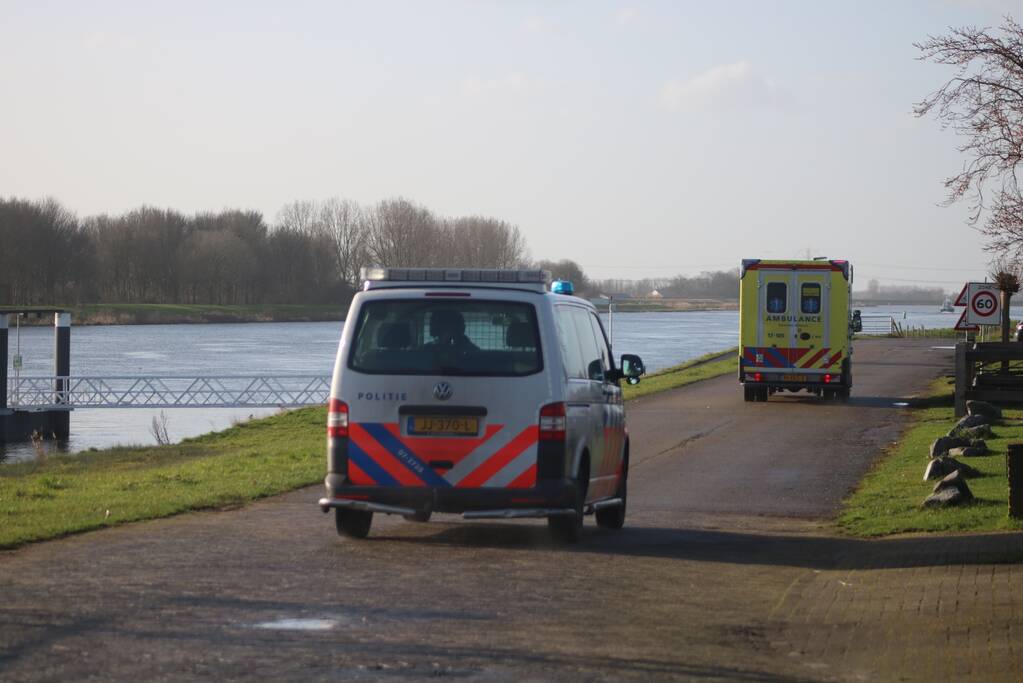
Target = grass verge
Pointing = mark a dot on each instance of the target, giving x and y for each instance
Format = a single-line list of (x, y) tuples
[(888, 499), (695, 370), (61, 495), (69, 494)]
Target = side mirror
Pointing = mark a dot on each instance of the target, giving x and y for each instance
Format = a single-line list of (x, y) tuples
[(632, 368), (857, 321)]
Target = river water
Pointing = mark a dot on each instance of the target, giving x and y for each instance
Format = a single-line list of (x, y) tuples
[(661, 339)]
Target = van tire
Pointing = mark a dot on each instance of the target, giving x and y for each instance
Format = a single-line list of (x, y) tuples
[(614, 517), (353, 523), (569, 528)]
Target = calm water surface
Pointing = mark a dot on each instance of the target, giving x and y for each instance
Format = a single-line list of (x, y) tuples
[(661, 339)]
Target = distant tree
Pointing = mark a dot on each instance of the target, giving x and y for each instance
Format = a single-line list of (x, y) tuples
[(983, 102), (481, 242), (344, 226), (402, 234), (567, 269)]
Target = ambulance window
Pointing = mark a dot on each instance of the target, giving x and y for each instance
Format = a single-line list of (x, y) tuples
[(810, 298), (776, 296)]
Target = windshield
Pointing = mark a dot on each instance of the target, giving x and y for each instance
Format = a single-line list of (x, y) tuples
[(484, 338)]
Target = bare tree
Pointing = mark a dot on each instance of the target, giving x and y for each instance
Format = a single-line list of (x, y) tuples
[(343, 224), (983, 102), (403, 233), (481, 242)]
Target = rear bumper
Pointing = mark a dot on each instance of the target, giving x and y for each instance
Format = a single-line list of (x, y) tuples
[(548, 497)]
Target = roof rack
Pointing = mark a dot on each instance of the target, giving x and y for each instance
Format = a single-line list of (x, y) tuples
[(533, 279)]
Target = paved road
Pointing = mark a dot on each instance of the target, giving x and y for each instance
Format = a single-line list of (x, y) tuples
[(726, 572)]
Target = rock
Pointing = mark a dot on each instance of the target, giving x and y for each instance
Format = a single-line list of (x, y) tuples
[(973, 421), (942, 444), (955, 480), (981, 432), (983, 408), (939, 468), (944, 498), (967, 452)]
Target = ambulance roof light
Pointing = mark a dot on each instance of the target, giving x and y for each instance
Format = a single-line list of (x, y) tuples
[(562, 287)]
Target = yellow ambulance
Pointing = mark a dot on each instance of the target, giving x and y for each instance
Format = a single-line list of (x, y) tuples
[(795, 328)]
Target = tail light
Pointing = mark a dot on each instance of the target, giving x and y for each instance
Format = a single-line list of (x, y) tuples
[(337, 418), (757, 377), (827, 379), (552, 422)]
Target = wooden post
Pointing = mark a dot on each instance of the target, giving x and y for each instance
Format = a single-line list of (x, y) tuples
[(3, 361), (1014, 472), (61, 369), (1006, 298), (962, 378)]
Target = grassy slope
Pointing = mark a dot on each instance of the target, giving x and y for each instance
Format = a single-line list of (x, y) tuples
[(888, 499), (63, 495)]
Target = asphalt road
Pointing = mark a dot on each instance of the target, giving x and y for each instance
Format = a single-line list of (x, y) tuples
[(723, 572)]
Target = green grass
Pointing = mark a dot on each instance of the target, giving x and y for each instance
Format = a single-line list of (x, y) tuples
[(888, 499), (61, 495), (68, 494), (691, 371)]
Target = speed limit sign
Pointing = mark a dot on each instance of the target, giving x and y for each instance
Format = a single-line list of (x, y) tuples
[(984, 307)]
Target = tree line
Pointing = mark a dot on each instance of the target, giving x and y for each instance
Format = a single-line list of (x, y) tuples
[(312, 253)]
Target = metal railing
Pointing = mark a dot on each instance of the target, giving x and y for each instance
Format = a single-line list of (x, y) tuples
[(881, 324), (167, 391)]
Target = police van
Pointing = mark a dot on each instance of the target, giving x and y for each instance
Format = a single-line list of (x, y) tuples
[(795, 328), (477, 392)]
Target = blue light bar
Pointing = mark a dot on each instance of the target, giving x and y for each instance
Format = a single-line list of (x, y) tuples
[(562, 287)]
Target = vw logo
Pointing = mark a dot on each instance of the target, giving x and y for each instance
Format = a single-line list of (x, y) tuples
[(442, 391)]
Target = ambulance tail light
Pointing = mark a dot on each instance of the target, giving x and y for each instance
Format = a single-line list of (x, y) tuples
[(337, 419), (827, 379), (553, 422), (758, 377)]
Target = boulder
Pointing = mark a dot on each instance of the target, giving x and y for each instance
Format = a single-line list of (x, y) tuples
[(955, 480), (967, 452), (939, 468), (944, 498), (980, 432), (942, 444), (973, 421), (983, 408)]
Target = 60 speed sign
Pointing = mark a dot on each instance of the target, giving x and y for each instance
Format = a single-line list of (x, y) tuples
[(984, 304)]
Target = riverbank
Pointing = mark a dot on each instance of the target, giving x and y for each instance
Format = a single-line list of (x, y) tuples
[(58, 495), (175, 314)]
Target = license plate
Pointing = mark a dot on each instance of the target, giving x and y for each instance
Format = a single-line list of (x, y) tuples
[(793, 378), (444, 425)]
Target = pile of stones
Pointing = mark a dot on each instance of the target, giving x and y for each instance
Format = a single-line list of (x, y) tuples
[(964, 440)]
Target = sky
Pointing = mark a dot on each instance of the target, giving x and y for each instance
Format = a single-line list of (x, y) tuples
[(640, 139)]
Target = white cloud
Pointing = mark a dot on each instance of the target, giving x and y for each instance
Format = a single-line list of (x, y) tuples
[(626, 15), (537, 26), (723, 87), (513, 83)]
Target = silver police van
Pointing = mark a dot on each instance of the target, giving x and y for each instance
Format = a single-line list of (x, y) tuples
[(477, 392)]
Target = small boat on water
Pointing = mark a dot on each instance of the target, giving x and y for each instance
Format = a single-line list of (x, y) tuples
[(946, 306)]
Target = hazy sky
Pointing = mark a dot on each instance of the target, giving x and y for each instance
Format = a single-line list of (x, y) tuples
[(637, 138)]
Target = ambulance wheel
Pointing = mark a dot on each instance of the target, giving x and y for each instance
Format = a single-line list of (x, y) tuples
[(843, 394), (353, 523), (829, 394), (762, 394), (749, 394)]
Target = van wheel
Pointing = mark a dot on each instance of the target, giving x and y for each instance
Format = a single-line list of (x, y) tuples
[(353, 523), (614, 517), (569, 528), (749, 394)]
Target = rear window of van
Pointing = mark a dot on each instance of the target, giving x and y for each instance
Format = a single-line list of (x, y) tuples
[(472, 338)]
